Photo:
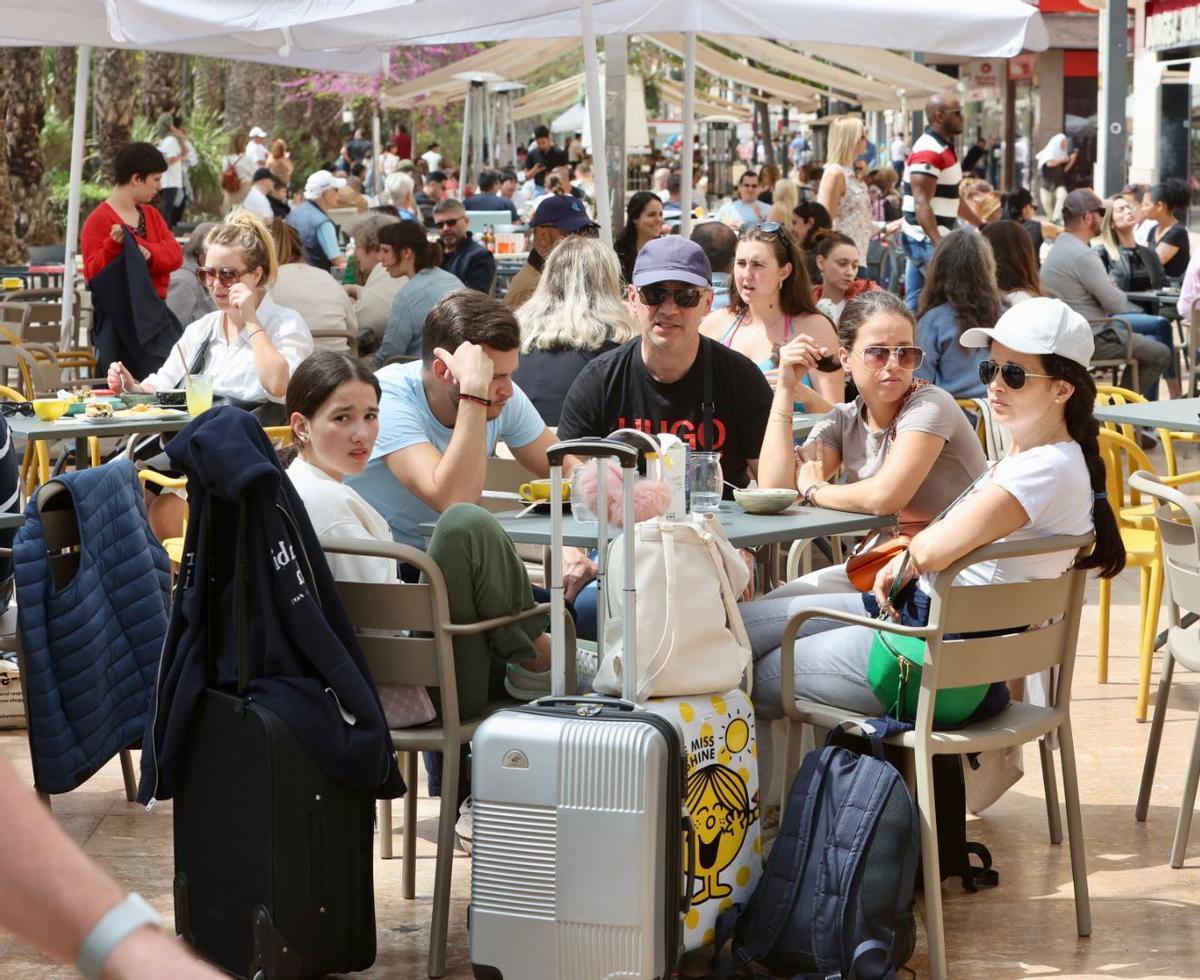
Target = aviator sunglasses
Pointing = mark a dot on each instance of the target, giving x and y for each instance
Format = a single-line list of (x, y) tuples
[(685, 297), (1013, 375), (876, 357), (225, 275)]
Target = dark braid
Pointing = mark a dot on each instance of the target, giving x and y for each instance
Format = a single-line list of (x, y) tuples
[(1108, 555)]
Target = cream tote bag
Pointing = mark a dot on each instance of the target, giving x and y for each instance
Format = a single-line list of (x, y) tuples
[(689, 628)]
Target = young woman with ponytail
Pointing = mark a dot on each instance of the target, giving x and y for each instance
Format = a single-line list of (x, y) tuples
[(249, 345), (1050, 483)]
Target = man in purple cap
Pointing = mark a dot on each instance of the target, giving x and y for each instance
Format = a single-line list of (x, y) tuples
[(670, 379), (664, 380), (556, 217)]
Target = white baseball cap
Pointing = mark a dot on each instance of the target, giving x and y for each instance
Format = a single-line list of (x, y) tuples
[(1040, 325), (258, 131), (321, 181)]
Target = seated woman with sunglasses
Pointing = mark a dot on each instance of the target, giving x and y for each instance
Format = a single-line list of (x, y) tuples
[(248, 346), (1052, 482), (903, 446), (770, 302)]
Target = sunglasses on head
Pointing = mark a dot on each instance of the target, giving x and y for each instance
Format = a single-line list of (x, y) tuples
[(685, 297), (1013, 375), (766, 229), (877, 357), (225, 275)]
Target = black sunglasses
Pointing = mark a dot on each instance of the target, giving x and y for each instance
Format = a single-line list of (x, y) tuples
[(447, 222), (1013, 375), (685, 297), (8, 409)]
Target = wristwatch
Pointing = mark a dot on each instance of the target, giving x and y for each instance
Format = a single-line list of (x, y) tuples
[(115, 925)]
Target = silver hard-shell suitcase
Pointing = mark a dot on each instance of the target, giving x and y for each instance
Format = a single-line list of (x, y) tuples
[(579, 827)]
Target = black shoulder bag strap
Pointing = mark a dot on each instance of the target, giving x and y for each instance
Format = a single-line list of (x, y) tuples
[(198, 359), (707, 405)]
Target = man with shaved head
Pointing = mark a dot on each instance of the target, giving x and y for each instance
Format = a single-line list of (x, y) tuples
[(932, 206)]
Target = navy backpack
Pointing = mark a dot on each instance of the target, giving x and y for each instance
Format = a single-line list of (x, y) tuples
[(836, 898)]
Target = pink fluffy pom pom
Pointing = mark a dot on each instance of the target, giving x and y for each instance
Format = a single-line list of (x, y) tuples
[(651, 498)]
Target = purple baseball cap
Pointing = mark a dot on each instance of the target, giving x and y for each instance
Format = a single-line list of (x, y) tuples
[(672, 259)]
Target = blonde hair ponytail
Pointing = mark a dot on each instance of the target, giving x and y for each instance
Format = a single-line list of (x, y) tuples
[(245, 230)]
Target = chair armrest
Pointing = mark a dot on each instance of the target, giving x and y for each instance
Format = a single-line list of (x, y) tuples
[(1120, 326), (486, 625), (168, 482), (787, 646)]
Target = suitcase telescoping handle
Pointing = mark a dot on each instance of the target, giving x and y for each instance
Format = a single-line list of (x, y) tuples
[(627, 457)]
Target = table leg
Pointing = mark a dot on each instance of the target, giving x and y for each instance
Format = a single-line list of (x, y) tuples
[(82, 456)]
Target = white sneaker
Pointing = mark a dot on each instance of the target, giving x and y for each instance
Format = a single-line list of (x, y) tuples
[(464, 829)]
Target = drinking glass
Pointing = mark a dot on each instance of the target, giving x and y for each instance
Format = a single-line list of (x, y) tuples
[(199, 393), (705, 482)]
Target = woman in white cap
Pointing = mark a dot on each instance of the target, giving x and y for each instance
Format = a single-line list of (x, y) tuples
[(1051, 482)]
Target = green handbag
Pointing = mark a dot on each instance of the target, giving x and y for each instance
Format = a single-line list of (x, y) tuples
[(894, 674)]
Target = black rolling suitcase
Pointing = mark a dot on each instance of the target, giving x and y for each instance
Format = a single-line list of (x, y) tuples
[(273, 858)]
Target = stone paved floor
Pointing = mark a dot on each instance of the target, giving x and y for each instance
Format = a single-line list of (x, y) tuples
[(1146, 919)]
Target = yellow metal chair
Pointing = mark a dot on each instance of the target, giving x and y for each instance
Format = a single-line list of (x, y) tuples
[(1123, 457), (172, 546)]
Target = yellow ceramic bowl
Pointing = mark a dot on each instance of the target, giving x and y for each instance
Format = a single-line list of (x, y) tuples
[(49, 409)]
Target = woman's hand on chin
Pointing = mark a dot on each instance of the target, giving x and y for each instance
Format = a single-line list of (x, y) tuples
[(243, 304)]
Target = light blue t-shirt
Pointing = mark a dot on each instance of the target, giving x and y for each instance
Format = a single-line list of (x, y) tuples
[(748, 215), (405, 419)]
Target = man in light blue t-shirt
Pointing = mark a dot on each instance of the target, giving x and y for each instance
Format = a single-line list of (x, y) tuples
[(745, 210), (441, 417)]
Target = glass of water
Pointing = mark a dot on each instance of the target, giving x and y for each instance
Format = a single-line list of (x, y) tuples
[(705, 481)]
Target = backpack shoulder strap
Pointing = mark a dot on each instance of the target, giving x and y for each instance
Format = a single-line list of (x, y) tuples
[(771, 905)]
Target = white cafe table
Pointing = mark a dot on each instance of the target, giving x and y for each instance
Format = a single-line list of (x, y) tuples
[(1176, 414), (744, 530), (32, 429)]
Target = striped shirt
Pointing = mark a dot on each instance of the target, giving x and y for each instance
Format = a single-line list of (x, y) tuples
[(934, 157)]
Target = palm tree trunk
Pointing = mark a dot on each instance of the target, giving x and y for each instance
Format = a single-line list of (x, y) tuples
[(266, 97), (63, 86), (23, 128), (114, 96), (11, 250), (239, 97), (209, 75), (162, 81)]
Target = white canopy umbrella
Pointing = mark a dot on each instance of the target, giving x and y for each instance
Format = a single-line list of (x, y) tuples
[(83, 23), (996, 28)]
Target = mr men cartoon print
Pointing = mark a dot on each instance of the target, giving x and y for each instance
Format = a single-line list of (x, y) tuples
[(721, 815), (721, 796)]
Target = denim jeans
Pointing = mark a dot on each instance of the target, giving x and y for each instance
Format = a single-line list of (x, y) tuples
[(918, 253), (1158, 327)]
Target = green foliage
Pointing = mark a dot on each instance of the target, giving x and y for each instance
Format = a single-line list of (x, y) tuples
[(90, 196), (56, 143)]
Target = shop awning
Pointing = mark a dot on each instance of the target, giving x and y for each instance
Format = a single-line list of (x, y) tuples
[(795, 93), (882, 65), (706, 103), (844, 84), (513, 60)]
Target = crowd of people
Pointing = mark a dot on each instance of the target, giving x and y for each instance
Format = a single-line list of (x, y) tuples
[(718, 338)]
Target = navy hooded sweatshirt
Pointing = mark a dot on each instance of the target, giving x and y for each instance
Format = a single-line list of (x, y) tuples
[(304, 662)]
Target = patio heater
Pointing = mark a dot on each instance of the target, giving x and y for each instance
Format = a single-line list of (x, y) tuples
[(720, 151), (502, 140), (474, 110)]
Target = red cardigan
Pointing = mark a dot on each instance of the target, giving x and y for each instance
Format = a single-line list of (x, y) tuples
[(857, 288), (99, 248)]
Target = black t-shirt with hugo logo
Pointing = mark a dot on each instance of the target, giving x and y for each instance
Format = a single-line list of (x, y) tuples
[(615, 391)]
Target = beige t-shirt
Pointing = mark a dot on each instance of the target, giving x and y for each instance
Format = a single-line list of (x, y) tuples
[(927, 409)]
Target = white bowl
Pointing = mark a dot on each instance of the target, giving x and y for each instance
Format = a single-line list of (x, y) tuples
[(763, 500)]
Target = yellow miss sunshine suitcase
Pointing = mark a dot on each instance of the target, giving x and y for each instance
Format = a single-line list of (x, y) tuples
[(721, 794)]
